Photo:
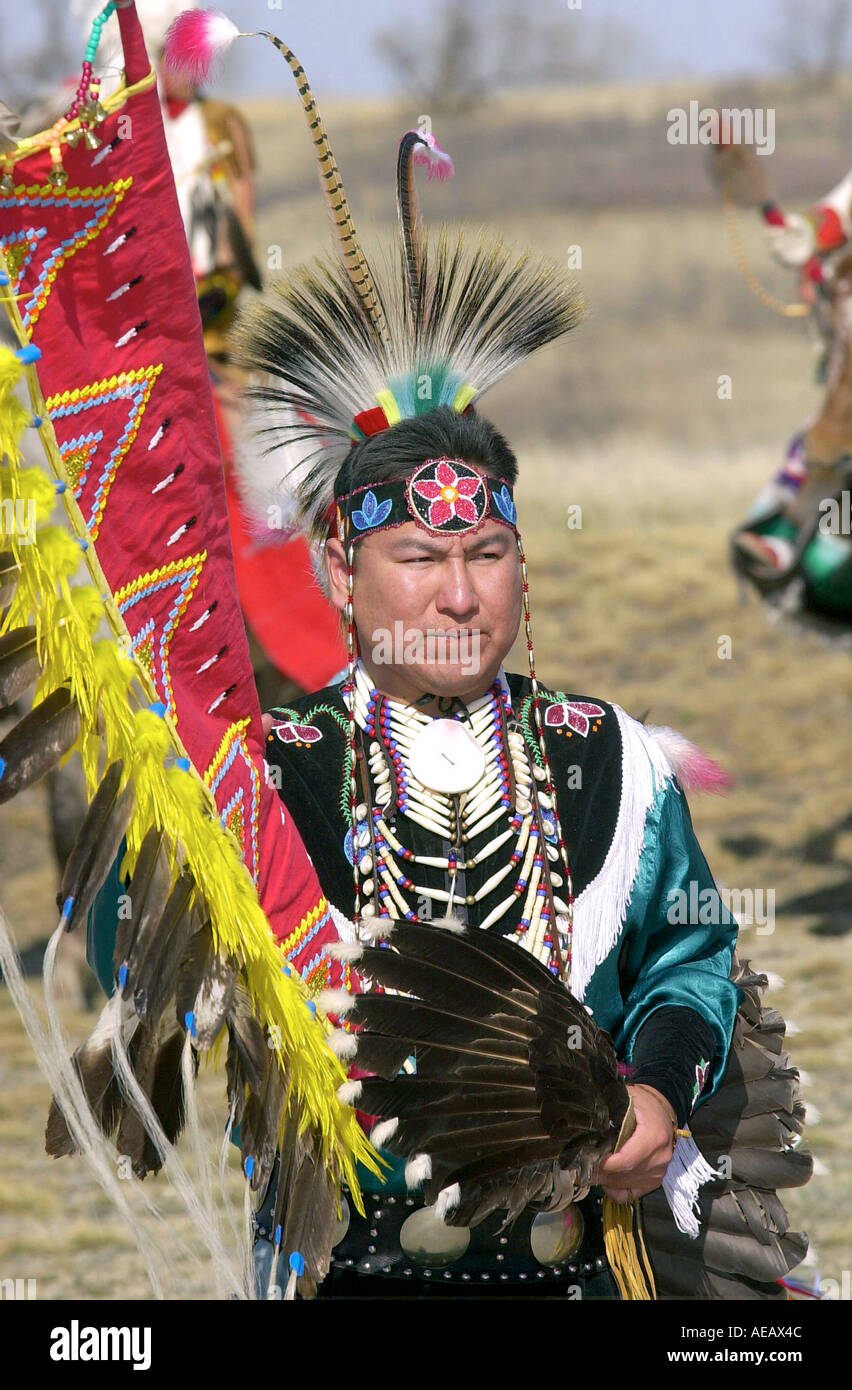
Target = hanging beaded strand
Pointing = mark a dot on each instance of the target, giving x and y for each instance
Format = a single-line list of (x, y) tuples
[(379, 715), (550, 789), (349, 695), (85, 107)]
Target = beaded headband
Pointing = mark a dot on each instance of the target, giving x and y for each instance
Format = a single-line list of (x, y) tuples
[(444, 496)]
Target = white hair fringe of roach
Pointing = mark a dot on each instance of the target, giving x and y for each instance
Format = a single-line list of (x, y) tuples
[(230, 1270)]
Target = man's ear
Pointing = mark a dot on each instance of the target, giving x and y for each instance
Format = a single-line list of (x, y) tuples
[(337, 570)]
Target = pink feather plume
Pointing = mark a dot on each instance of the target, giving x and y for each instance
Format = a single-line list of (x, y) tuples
[(694, 769), (196, 40), (436, 160)]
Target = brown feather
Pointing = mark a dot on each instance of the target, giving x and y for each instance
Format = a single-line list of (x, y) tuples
[(9, 571), (38, 742), (132, 1137), (205, 988), (147, 975), (248, 1055), (19, 663), (149, 891), (261, 1124), (167, 1097), (96, 845)]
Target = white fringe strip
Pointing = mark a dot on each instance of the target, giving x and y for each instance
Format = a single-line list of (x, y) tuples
[(688, 1170), (600, 909)]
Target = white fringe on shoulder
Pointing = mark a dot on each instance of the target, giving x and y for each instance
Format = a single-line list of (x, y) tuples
[(600, 910)]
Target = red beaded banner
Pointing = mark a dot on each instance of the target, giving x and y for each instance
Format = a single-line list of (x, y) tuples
[(101, 270)]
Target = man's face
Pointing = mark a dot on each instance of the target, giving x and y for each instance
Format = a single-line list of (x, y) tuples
[(433, 613)]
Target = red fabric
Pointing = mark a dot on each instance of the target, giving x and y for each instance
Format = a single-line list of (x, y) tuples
[(281, 600), (372, 421), (106, 420), (773, 215), (812, 271), (828, 228)]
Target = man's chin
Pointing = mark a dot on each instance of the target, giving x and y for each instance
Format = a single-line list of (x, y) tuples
[(445, 679)]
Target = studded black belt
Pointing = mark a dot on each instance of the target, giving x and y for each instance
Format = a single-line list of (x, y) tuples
[(400, 1239)]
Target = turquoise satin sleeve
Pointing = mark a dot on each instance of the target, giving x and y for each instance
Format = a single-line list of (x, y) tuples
[(668, 952)]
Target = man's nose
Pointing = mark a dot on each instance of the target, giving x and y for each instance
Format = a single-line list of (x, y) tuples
[(456, 596)]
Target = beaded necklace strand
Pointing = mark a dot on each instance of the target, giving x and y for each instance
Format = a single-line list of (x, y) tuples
[(383, 864)]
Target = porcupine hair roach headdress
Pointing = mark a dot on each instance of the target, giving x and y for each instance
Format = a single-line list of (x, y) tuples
[(357, 363)]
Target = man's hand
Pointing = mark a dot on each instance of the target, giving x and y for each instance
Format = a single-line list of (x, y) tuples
[(639, 1166)]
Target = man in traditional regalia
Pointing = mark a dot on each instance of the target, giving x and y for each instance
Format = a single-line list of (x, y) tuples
[(432, 788), (569, 1079), (794, 545)]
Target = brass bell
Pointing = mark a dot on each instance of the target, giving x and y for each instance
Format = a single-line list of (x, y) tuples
[(73, 137), (7, 182), (93, 112), (57, 176), (91, 140)]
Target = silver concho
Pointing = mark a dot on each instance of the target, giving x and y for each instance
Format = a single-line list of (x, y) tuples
[(555, 1235), (426, 1240)]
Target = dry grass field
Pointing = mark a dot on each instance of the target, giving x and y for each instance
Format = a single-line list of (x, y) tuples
[(624, 422)]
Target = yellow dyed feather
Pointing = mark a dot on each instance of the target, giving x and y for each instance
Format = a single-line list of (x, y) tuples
[(111, 689), (11, 372), (15, 418), (31, 483)]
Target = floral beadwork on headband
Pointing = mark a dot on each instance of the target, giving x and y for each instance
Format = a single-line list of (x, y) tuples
[(371, 512), (447, 495)]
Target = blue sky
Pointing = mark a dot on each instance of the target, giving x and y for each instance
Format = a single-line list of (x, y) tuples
[(334, 38)]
